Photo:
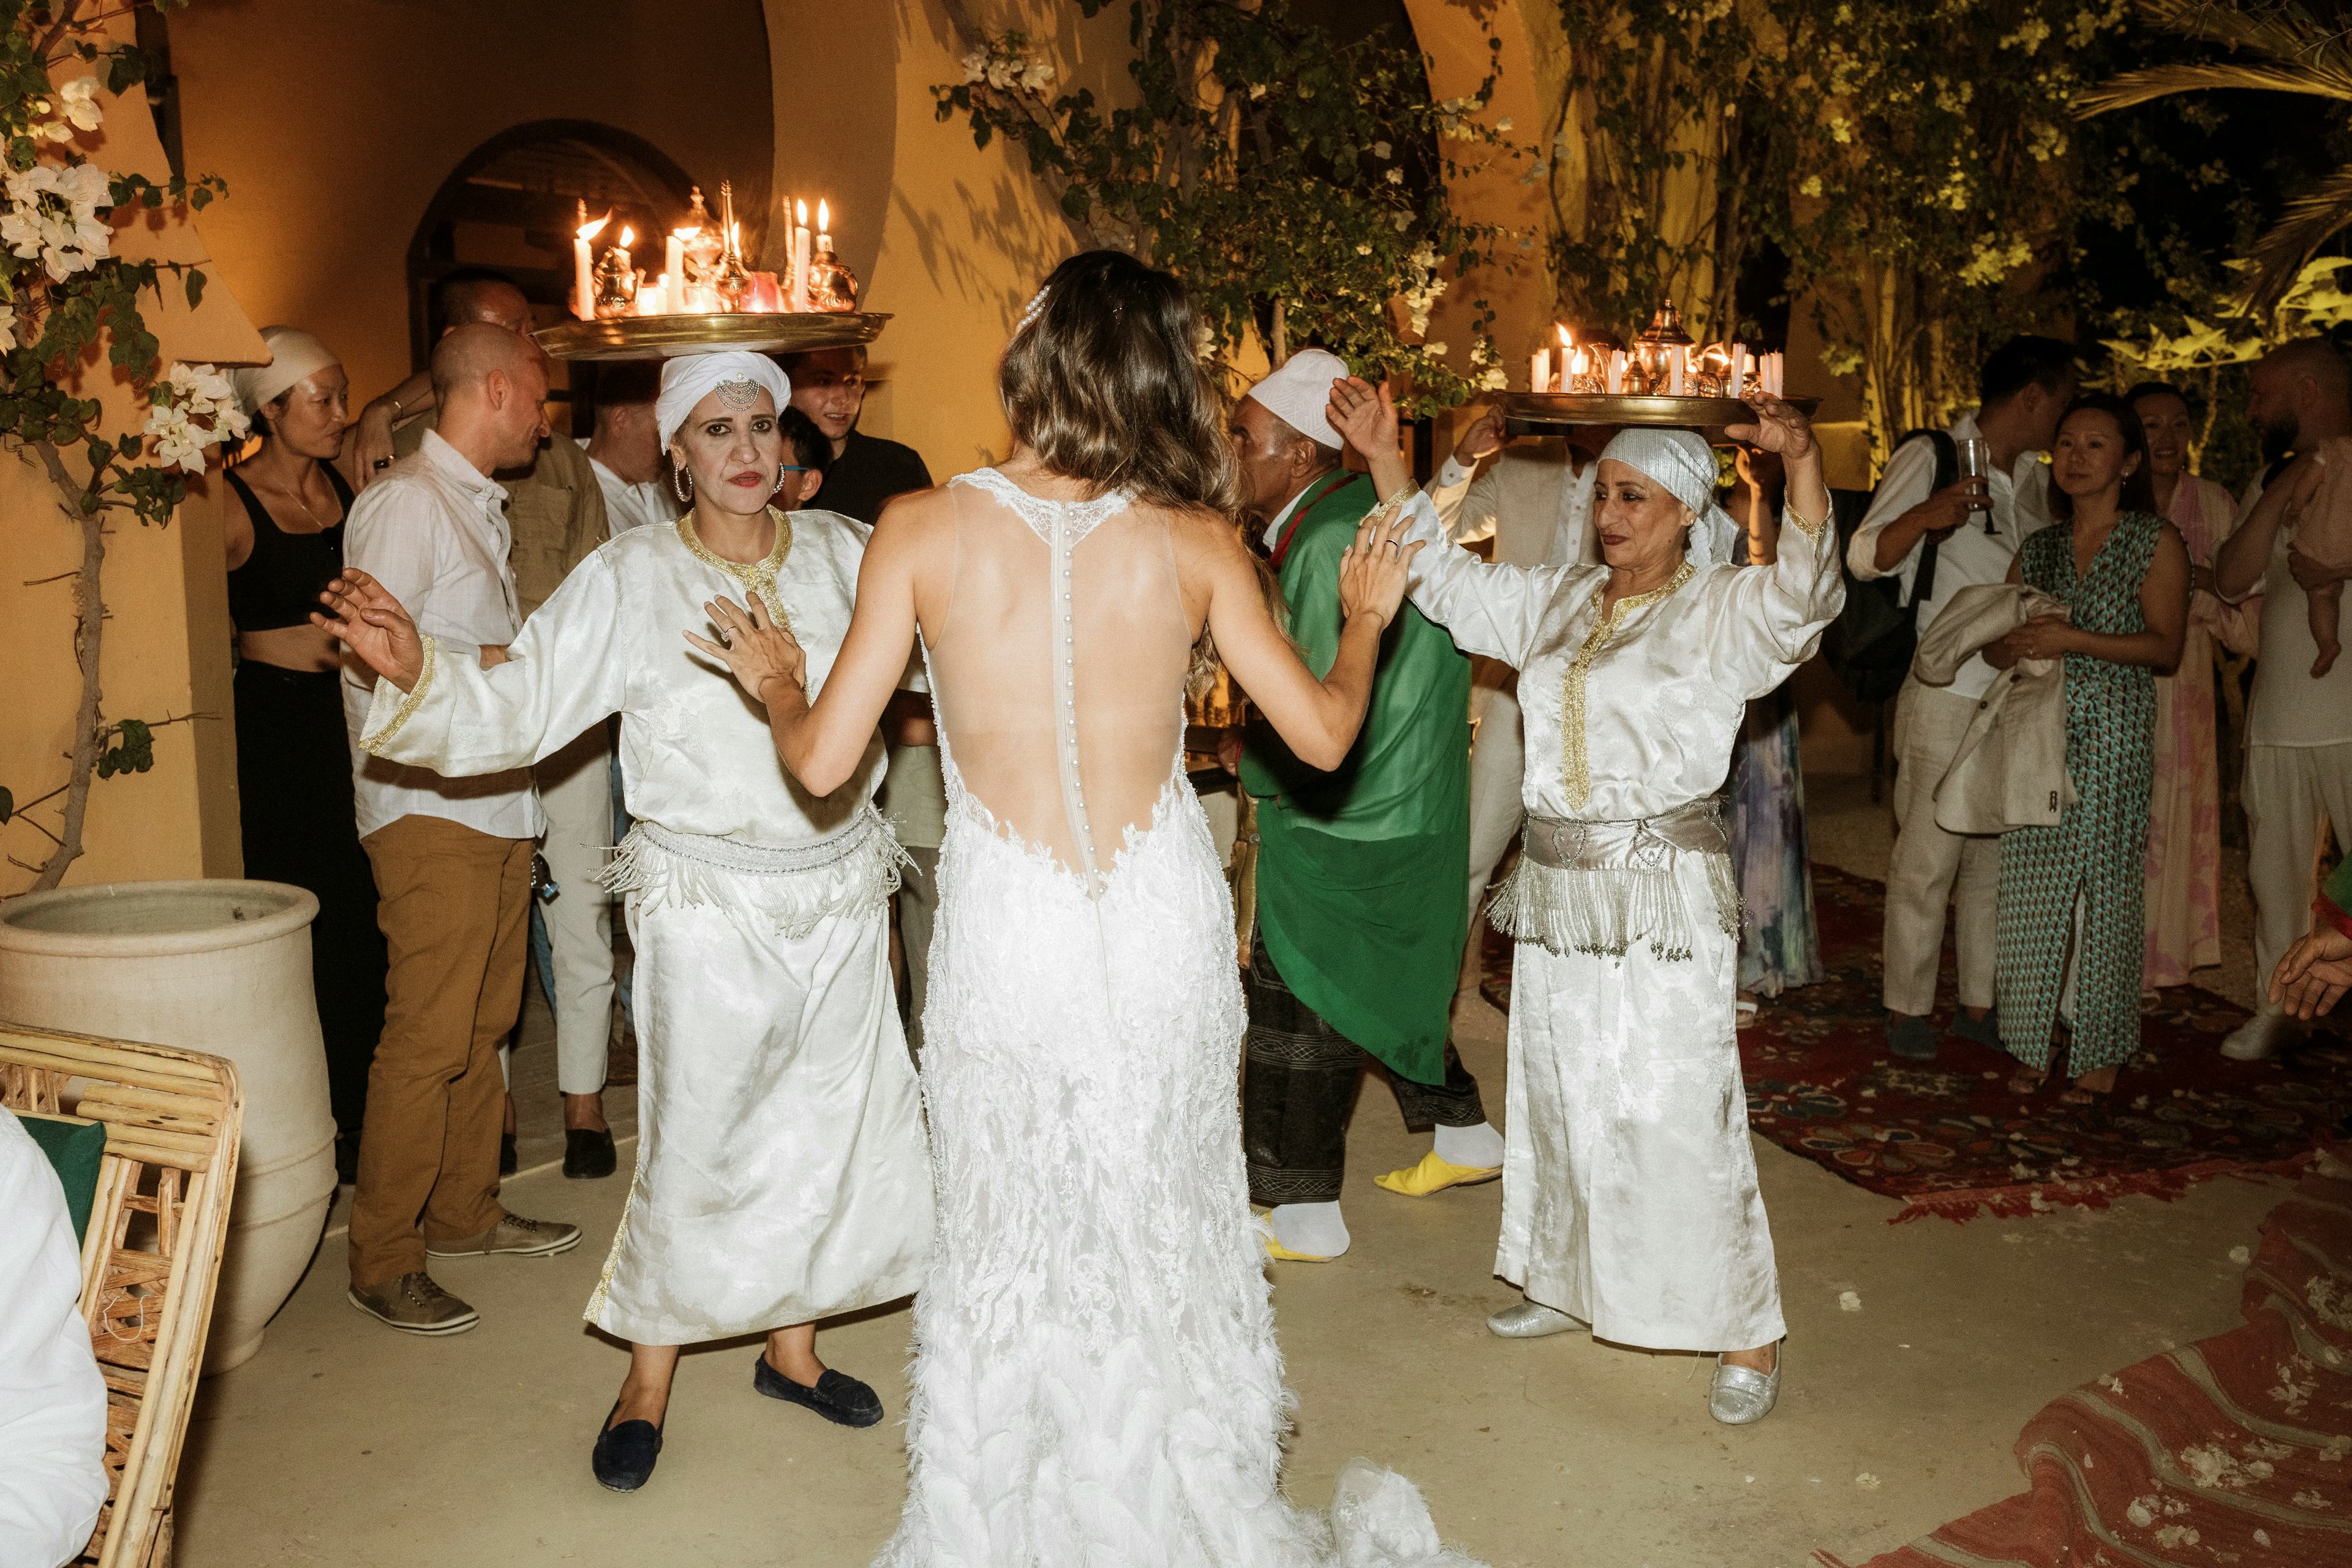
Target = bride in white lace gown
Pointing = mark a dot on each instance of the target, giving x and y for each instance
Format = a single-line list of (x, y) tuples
[(1095, 1379)]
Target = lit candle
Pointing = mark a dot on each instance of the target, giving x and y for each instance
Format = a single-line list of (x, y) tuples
[(674, 253), (801, 257), (584, 269), (653, 300), (1580, 366), (824, 227), (1567, 347), (1540, 371)]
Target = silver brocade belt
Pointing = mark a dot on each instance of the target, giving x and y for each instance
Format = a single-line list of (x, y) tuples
[(1601, 888), (1643, 843), (761, 859)]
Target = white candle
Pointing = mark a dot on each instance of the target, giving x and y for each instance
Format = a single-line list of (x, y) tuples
[(1540, 371), (653, 300), (1776, 362), (584, 269), (1677, 357), (1739, 371), (824, 227), (801, 257), (674, 252), (1612, 379)]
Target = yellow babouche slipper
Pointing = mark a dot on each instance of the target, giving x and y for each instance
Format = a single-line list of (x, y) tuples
[(1434, 1175), (1280, 1253)]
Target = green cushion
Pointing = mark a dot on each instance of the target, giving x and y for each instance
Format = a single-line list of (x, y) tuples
[(74, 1148)]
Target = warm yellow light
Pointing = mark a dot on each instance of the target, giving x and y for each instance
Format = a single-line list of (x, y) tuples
[(590, 230), (824, 217), (628, 237), (801, 208), (683, 234), (1567, 338)]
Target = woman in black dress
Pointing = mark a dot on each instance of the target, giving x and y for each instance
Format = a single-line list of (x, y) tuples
[(284, 532)]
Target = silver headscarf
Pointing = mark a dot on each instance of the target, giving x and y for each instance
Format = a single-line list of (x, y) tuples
[(1685, 465)]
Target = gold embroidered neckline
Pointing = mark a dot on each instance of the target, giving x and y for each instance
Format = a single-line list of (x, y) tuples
[(758, 576), (1576, 765)]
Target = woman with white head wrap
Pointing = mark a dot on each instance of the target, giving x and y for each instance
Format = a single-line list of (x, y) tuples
[(1630, 1202), (782, 1173), (281, 514)]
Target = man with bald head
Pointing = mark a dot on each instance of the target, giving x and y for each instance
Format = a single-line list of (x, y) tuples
[(452, 858), (557, 515), (2298, 729)]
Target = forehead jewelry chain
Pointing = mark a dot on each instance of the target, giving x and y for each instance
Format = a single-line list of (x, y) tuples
[(737, 394)]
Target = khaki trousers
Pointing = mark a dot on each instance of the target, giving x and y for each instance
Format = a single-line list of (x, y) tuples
[(453, 903), (1930, 869), (2290, 791)]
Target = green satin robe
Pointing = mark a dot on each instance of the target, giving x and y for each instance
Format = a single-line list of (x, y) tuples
[(1362, 871)]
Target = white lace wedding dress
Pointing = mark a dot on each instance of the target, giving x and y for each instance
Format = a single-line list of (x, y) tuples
[(1095, 1380)]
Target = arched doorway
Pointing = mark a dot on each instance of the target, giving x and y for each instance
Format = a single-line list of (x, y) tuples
[(513, 203)]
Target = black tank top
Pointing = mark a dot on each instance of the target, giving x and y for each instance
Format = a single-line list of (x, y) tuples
[(279, 584)]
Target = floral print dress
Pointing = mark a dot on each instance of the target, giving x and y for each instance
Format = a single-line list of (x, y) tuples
[(2097, 855)]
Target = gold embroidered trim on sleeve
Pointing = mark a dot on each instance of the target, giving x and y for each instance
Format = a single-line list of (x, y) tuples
[(1576, 769), (1811, 527), (373, 745)]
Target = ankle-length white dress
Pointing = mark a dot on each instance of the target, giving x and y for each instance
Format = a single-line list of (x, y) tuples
[(1095, 1378)]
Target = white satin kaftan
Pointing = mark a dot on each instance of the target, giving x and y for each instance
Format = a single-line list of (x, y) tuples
[(1629, 1183), (782, 1169)]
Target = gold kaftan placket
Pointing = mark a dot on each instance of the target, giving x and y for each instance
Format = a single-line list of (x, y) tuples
[(1576, 770)]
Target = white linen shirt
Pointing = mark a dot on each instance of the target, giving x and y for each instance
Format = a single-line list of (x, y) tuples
[(433, 530), (52, 1397), (628, 506), (1969, 556), (1528, 498)]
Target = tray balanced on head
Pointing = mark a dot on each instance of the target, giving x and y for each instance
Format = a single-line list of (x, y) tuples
[(665, 337), (1526, 412)]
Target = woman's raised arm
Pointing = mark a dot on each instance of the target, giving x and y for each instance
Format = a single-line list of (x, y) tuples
[(823, 743)]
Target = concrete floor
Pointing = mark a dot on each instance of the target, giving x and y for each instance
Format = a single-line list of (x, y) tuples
[(346, 1444)]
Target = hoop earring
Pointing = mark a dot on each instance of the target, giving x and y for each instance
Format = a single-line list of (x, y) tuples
[(681, 483), (778, 489)]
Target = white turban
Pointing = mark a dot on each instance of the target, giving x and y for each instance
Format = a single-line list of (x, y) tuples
[(294, 356), (1300, 391), (688, 379), (1684, 465)]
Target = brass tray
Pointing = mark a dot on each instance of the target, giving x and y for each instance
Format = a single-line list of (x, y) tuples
[(666, 337), (1538, 411)]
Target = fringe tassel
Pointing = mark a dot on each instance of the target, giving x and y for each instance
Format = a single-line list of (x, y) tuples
[(788, 905), (1603, 911)]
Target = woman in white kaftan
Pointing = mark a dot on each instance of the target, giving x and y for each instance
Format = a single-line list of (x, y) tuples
[(782, 1172), (1095, 1378), (1629, 1184)]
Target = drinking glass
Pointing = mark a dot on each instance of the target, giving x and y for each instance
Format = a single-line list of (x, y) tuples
[(1976, 463)]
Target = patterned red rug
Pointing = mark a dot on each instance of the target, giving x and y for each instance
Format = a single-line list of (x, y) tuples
[(2236, 1450), (1949, 1139)]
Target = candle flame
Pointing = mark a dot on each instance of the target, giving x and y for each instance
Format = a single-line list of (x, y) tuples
[(824, 217), (1567, 338), (683, 235), (801, 209), (590, 230), (1580, 364), (628, 237)]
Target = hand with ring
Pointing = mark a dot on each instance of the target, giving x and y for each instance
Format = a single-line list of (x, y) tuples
[(1374, 569), (756, 648)]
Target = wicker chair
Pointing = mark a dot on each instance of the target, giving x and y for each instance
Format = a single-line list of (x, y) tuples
[(152, 1257)]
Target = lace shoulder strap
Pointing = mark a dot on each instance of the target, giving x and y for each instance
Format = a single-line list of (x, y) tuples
[(1072, 520)]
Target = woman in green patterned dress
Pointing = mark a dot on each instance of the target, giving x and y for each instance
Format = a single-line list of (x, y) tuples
[(2073, 894)]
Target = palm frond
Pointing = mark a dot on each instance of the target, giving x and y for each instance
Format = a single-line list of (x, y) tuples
[(2310, 220), (2284, 32), (2162, 81)]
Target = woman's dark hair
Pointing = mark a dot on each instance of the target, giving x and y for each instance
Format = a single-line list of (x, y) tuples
[(1103, 382), (2154, 389), (2139, 488), (810, 448)]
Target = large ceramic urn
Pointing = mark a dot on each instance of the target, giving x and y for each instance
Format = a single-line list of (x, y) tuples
[(217, 966)]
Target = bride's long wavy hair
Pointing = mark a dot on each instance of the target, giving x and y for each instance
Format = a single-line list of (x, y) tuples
[(1103, 381)]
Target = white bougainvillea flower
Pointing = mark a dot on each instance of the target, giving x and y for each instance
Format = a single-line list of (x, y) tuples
[(1036, 77), (52, 213), (191, 407), (79, 103), (975, 65)]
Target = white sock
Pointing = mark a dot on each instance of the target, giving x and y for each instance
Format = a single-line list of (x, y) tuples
[(1315, 1229), (1479, 1147)]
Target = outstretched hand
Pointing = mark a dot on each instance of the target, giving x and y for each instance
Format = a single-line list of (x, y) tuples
[(752, 644), (370, 622), (1778, 428), (1365, 415), (2313, 974), (1373, 569)]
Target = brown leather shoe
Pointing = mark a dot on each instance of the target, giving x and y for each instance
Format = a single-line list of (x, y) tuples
[(415, 1305), (513, 1235)]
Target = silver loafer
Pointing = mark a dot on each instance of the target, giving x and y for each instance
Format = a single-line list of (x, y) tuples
[(1531, 1320), (1740, 1396)]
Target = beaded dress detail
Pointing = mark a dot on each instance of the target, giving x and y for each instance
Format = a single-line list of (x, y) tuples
[(1096, 1377)]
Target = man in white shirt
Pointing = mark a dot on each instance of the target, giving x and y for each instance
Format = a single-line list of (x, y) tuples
[(452, 856), (52, 1397), (1533, 500), (2023, 389), (2298, 730), (626, 448)]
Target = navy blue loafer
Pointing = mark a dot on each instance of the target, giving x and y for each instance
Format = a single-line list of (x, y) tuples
[(837, 1397), (624, 1456)]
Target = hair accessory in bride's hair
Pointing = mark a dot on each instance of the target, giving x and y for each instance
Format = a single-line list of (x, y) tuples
[(1036, 308)]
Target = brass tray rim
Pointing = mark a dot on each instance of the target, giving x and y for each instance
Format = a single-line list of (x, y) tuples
[(1560, 410), (678, 335)]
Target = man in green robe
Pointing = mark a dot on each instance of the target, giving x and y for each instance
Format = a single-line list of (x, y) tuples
[(1359, 931)]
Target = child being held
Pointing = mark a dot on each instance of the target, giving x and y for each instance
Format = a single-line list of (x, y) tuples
[(2315, 494)]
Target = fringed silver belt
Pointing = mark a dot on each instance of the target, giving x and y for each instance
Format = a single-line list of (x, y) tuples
[(786, 889), (1600, 886)]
